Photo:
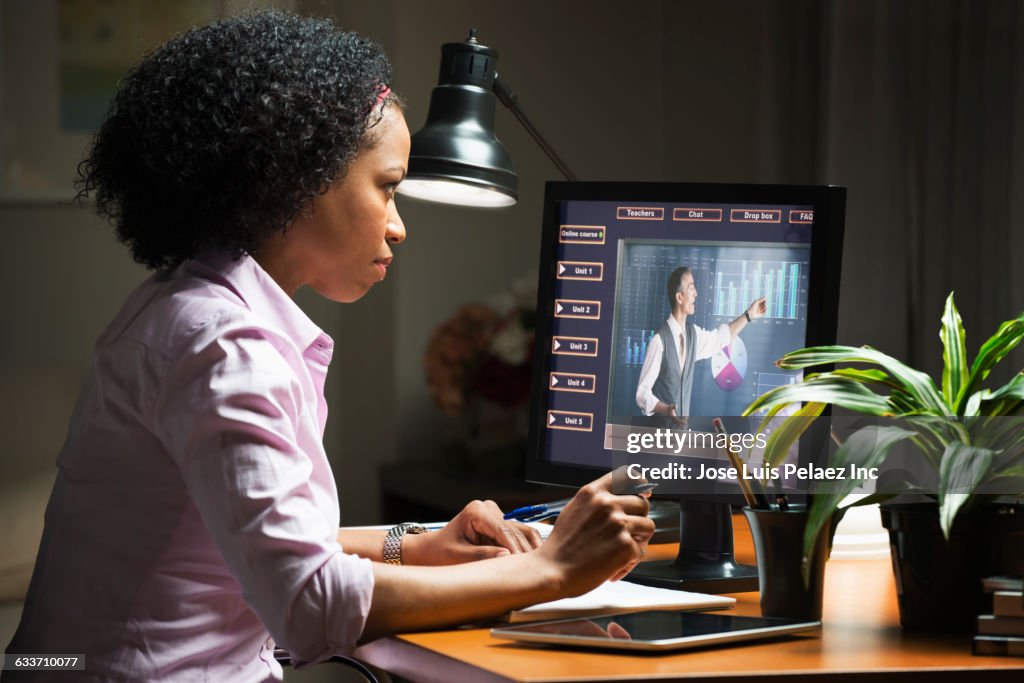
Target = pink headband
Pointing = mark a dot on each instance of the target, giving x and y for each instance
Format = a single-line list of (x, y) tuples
[(382, 95)]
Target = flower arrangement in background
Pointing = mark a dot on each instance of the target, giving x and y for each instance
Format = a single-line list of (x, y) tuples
[(483, 351)]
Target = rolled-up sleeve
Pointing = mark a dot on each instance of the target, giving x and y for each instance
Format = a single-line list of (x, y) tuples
[(236, 418), (710, 341)]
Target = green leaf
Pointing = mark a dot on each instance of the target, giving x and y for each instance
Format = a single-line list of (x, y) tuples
[(954, 352), (903, 403), (1015, 472), (1006, 398), (915, 383), (1002, 482), (866, 447), (839, 391), (933, 434), (783, 437), (992, 351), (995, 432), (962, 468), (1007, 407), (865, 376), (973, 406)]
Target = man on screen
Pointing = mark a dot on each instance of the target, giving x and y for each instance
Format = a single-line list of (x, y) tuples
[(666, 379)]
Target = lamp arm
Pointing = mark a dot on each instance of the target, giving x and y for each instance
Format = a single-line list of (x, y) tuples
[(508, 98)]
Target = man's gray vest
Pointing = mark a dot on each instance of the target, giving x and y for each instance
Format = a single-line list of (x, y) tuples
[(674, 383)]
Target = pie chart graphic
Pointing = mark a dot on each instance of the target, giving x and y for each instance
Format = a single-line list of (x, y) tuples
[(729, 365)]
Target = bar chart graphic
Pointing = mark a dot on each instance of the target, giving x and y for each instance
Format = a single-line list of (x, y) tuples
[(635, 348), (738, 283)]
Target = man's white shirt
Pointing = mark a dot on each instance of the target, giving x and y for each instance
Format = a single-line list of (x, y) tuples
[(707, 342)]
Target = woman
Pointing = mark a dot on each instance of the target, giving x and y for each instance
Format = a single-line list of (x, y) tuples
[(193, 523)]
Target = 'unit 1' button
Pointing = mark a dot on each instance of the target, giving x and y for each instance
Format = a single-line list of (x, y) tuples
[(580, 270)]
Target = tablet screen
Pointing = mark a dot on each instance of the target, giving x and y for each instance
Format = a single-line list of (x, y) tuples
[(654, 630)]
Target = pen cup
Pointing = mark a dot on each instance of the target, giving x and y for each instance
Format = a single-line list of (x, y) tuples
[(778, 542)]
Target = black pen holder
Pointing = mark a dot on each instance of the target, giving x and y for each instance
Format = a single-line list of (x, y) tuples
[(778, 542)]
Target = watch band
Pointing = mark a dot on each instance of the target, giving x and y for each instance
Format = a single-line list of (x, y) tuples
[(747, 313), (393, 540)]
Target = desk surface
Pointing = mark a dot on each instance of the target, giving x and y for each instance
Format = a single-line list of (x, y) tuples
[(860, 635)]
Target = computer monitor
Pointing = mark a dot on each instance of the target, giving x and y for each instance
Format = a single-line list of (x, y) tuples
[(617, 259)]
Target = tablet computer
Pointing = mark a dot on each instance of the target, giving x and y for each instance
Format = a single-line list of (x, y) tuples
[(653, 630)]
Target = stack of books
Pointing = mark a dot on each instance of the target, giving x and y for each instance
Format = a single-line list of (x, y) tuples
[(1002, 632)]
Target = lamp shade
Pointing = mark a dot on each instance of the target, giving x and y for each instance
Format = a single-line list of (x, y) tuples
[(456, 157)]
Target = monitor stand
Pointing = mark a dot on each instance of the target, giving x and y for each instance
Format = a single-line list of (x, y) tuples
[(705, 563)]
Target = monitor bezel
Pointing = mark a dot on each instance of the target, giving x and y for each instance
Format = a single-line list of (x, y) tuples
[(829, 205)]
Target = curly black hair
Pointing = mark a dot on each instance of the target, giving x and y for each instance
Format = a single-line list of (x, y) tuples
[(221, 136)]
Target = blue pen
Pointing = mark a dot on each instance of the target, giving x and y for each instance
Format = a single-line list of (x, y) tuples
[(536, 513), (531, 511)]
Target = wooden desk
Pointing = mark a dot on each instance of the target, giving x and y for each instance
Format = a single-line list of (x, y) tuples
[(860, 638)]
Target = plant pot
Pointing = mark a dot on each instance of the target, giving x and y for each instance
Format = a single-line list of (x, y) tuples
[(938, 582), (778, 541)]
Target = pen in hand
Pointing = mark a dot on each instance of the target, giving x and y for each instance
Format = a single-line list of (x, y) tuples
[(533, 513), (641, 489)]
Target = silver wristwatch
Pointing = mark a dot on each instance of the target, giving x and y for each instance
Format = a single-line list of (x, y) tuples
[(393, 540)]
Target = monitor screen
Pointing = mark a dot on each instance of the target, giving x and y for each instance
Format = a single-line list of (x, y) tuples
[(645, 292)]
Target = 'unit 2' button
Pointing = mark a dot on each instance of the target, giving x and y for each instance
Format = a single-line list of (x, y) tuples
[(574, 308)]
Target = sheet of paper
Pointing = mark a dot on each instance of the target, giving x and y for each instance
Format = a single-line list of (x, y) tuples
[(620, 596)]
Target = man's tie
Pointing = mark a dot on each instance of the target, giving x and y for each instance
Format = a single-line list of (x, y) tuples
[(682, 353)]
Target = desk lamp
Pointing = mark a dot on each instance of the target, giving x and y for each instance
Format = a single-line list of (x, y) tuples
[(456, 158)]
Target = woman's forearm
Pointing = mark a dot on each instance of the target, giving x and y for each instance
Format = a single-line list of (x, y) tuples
[(599, 535), (368, 543), (409, 598)]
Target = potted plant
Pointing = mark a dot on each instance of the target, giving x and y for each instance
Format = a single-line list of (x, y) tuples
[(972, 439)]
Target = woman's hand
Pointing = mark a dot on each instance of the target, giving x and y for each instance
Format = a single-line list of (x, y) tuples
[(479, 532), (599, 535)]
